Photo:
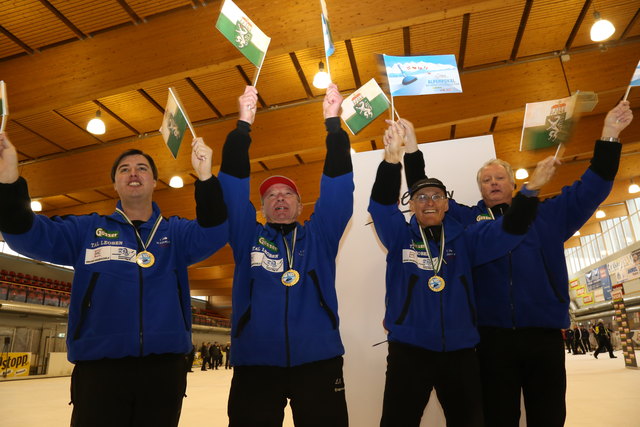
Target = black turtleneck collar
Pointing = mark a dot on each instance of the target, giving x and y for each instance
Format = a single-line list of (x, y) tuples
[(499, 210), (433, 232), (284, 229)]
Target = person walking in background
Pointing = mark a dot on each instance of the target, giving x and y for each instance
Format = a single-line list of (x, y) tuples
[(227, 355), (585, 338), (578, 347), (603, 335), (204, 356)]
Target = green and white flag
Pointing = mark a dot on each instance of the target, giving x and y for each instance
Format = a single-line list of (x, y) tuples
[(548, 123), (4, 106), (174, 123), (243, 33), (363, 106)]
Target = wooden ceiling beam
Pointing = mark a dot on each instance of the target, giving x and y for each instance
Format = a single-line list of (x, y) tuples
[(185, 43)]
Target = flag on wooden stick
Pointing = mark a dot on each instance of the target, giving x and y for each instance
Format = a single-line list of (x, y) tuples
[(236, 26), (174, 123)]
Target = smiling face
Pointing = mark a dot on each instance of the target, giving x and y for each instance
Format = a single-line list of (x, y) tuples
[(496, 186), (280, 204), (134, 178), (427, 211)]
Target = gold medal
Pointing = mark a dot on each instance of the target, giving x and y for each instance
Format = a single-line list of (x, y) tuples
[(436, 283), (290, 277), (145, 259)]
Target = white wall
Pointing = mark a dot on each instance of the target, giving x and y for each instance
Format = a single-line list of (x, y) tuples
[(361, 271)]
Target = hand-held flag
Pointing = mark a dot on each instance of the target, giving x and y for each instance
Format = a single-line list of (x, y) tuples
[(174, 123), (422, 75), (329, 48), (363, 106), (635, 81), (548, 123), (236, 26)]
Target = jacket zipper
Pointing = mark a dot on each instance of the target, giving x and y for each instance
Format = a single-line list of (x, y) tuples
[(323, 303), (184, 318), (246, 316), (472, 308), (86, 303), (413, 279), (141, 321), (444, 341), (511, 304), (286, 327)]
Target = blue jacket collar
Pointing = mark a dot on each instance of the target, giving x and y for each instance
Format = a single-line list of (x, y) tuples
[(154, 215)]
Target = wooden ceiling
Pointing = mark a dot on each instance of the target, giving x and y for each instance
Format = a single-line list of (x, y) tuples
[(63, 60)]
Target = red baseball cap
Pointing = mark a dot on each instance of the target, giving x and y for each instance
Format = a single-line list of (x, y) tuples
[(277, 179)]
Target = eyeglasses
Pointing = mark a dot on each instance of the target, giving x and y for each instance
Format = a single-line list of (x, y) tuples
[(422, 198)]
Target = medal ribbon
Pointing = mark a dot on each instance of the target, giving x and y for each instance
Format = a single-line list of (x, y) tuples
[(153, 229), (293, 247), (426, 246)]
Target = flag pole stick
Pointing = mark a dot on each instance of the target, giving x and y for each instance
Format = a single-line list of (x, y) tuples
[(560, 146), (397, 115), (4, 122), (326, 58), (393, 109), (627, 93), (255, 78)]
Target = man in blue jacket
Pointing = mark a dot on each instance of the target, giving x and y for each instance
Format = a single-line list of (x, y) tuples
[(523, 297), (130, 314), (284, 334), (430, 304)]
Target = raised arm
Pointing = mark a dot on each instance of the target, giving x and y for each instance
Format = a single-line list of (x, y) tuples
[(524, 206), (387, 218), (15, 211), (8, 161), (235, 153), (338, 159)]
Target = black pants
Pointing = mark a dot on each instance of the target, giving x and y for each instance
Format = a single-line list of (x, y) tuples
[(604, 344), (136, 392), (259, 395), (509, 364), (412, 372)]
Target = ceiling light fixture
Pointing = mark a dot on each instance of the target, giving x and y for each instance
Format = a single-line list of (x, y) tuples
[(36, 206), (322, 79), (600, 214), (601, 29), (176, 182), (634, 188), (96, 125), (522, 173)]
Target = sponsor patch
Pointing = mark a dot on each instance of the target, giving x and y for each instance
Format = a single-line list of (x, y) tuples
[(259, 259), (268, 245), (423, 263), (483, 217), (109, 253), (101, 232)]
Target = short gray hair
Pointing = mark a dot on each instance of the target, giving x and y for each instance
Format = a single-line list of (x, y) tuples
[(505, 165)]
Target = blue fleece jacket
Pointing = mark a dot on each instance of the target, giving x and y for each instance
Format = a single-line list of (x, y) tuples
[(273, 324), (416, 315), (119, 309)]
